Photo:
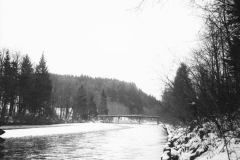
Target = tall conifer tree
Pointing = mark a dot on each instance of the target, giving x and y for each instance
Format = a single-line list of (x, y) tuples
[(103, 105), (14, 83), (80, 106), (42, 89), (6, 84), (92, 108), (25, 85)]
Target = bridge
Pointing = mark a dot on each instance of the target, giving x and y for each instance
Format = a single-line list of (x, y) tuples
[(117, 118)]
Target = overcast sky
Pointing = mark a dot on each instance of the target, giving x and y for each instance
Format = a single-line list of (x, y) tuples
[(103, 38)]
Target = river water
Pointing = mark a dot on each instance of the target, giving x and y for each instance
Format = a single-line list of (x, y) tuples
[(105, 142)]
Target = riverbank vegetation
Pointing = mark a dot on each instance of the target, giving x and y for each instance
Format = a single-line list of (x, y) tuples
[(208, 89), (24, 90)]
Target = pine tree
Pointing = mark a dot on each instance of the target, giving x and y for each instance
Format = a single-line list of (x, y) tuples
[(14, 83), (234, 63), (178, 98), (183, 93), (6, 85), (25, 85), (80, 107), (92, 108), (103, 105), (42, 89)]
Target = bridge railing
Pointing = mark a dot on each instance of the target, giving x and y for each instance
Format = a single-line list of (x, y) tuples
[(139, 118)]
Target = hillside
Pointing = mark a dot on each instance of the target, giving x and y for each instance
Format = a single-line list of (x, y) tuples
[(122, 97)]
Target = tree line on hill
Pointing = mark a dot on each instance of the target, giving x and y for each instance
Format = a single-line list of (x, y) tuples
[(30, 94), (99, 92), (208, 90)]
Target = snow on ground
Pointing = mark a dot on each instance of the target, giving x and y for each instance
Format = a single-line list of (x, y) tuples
[(60, 129), (199, 144), (219, 151)]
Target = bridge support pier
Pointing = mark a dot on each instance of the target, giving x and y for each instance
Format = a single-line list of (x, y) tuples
[(118, 118), (139, 120)]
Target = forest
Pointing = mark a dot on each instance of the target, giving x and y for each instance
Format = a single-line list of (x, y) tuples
[(25, 91), (208, 88), (29, 94), (100, 92)]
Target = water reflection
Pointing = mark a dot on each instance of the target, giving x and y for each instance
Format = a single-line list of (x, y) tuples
[(136, 142)]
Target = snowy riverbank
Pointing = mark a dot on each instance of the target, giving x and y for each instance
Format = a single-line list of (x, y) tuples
[(199, 144)]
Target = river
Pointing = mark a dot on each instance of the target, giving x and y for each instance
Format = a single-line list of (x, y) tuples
[(86, 141)]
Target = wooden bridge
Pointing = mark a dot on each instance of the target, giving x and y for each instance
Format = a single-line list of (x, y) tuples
[(117, 118)]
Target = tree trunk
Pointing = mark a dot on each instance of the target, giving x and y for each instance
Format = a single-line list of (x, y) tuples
[(11, 108), (67, 112), (4, 108)]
